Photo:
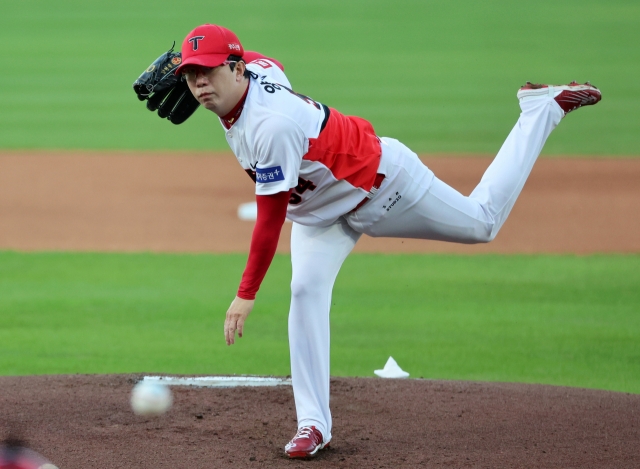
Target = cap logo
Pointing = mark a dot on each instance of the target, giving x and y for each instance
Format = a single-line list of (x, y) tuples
[(233, 46), (194, 41)]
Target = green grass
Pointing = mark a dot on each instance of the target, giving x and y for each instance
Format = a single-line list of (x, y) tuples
[(439, 76), (564, 320)]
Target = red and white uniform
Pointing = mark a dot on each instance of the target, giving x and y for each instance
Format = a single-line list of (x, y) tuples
[(279, 139), (286, 140), (336, 180)]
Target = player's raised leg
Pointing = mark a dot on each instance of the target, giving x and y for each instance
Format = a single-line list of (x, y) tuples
[(316, 257), (411, 204), (543, 106)]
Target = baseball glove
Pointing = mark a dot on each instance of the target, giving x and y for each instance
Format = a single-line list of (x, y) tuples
[(164, 91)]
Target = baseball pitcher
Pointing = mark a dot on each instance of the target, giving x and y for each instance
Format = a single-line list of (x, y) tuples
[(335, 178)]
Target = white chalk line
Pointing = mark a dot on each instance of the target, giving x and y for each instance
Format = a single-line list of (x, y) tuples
[(218, 381)]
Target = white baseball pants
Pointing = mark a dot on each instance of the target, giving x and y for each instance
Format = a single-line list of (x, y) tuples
[(411, 203)]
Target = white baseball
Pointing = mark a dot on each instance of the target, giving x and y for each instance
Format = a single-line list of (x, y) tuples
[(150, 399)]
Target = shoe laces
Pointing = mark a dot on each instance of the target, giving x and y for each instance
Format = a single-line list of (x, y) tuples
[(304, 432)]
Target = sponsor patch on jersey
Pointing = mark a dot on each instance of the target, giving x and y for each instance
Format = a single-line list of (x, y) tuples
[(266, 175)]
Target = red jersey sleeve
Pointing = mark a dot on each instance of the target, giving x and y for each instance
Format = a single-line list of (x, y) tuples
[(272, 211)]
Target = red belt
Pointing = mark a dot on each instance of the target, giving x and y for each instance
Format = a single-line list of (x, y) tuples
[(376, 185)]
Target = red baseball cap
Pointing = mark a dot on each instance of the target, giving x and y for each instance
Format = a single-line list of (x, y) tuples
[(209, 45)]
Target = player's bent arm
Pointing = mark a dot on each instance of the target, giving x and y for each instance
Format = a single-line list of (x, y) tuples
[(272, 210)]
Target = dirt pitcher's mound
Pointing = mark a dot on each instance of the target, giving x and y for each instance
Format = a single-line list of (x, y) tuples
[(84, 422)]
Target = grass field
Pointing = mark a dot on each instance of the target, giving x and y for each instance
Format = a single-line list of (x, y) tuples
[(439, 76), (562, 320)]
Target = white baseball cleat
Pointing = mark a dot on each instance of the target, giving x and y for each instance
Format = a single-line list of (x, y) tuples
[(569, 97)]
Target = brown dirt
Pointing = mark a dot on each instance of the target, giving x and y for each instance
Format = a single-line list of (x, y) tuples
[(83, 422), (187, 203)]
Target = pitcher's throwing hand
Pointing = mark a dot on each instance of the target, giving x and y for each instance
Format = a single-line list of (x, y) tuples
[(236, 316)]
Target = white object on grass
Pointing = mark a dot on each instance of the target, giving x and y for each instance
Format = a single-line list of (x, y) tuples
[(150, 399), (218, 381), (391, 370)]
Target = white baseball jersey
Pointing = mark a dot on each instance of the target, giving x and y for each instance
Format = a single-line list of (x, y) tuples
[(285, 140)]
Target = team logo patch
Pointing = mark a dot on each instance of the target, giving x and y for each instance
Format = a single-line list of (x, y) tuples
[(266, 175), (194, 41), (234, 46), (262, 63), (176, 60)]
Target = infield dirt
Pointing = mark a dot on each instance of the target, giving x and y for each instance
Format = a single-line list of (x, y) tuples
[(82, 422), (187, 203)]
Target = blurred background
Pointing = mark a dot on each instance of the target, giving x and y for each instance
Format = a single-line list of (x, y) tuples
[(439, 76)]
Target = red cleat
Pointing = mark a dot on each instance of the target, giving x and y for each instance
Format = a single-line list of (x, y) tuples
[(307, 442), (569, 97)]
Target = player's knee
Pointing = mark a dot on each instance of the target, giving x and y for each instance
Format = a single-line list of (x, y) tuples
[(482, 234), (485, 237), (307, 287), (297, 288), (300, 289)]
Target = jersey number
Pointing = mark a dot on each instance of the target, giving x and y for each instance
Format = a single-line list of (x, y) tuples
[(301, 188)]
